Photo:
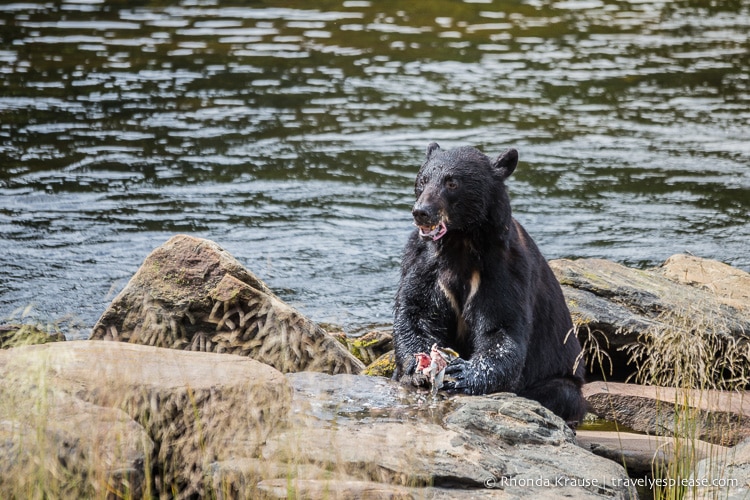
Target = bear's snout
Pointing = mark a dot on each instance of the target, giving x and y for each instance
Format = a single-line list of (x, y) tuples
[(429, 220), (426, 209), (424, 215)]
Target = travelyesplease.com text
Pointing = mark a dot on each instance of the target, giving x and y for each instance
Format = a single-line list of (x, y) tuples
[(639, 482)]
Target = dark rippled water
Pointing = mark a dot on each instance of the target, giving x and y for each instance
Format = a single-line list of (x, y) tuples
[(290, 135)]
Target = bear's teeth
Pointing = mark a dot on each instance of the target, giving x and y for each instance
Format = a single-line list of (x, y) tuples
[(435, 232)]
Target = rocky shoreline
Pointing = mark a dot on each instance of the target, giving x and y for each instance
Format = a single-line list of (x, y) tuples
[(193, 400)]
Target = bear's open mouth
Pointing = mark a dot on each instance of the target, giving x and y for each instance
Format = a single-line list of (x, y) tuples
[(435, 232)]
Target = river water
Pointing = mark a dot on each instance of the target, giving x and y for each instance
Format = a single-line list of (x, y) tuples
[(290, 133)]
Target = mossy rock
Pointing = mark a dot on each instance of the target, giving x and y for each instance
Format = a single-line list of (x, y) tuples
[(18, 335), (367, 348), (384, 366)]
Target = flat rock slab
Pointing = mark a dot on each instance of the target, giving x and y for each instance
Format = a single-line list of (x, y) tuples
[(719, 417), (216, 425), (193, 408), (191, 294), (641, 453), (373, 438), (48, 436)]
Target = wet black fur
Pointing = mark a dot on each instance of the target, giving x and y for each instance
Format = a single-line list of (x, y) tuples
[(513, 334)]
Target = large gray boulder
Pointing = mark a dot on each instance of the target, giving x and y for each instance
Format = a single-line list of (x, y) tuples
[(191, 294), (146, 421), (616, 309), (730, 285)]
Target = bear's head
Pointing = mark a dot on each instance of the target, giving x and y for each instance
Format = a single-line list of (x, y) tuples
[(462, 190)]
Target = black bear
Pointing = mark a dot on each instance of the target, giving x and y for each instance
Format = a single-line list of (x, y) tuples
[(473, 280)]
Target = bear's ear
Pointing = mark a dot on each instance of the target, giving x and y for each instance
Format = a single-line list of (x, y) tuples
[(506, 163), (433, 146)]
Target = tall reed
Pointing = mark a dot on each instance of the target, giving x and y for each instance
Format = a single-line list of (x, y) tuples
[(696, 352)]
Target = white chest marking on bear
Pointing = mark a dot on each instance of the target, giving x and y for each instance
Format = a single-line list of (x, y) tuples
[(453, 301), (451, 298), (460, 322), (476, 280)]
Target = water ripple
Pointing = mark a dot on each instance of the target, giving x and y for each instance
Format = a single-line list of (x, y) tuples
[(291, 136)]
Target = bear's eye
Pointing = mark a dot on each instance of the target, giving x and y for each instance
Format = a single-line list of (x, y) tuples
[(451, 183)]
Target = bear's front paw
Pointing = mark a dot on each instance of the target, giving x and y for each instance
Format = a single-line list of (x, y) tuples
[(460, 373)]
